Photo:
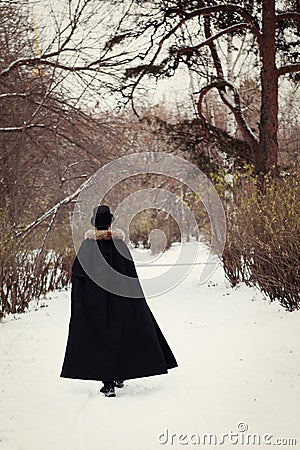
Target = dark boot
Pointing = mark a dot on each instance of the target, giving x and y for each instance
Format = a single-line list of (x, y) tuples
[(119, 383), (108, 389)]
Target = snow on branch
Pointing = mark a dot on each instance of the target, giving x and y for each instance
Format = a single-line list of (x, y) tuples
[(24, 127), (53, 210), (13, 94)]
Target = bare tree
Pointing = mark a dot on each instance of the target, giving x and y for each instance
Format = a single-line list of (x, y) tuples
[(275, 33), (49, 146)]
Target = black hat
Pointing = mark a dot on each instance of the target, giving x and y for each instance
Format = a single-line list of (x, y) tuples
[(102, 216)]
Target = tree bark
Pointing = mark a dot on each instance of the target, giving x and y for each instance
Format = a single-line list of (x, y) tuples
[(266, 157)]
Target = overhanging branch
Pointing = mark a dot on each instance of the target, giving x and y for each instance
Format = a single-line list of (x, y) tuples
[(288, 16), (289, 68), (205, 11), (93, 66), (218, 8), (23, 233), (239, 26)]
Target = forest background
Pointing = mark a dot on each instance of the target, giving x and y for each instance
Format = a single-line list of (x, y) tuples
[(84, 82)]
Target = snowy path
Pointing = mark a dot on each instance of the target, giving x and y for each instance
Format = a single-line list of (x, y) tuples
[(239, 361)]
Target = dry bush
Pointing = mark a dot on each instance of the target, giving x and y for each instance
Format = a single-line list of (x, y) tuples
[(263, 237), (30, 270)]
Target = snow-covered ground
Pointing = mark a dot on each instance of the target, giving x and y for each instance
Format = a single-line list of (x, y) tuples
[(239, 368)]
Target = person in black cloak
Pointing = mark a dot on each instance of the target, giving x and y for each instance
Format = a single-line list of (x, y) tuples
[(111, 337)]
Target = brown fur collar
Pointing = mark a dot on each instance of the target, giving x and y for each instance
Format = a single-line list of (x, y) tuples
[(106, 235)]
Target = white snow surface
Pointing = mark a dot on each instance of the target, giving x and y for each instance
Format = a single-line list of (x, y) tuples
[(238, 362)]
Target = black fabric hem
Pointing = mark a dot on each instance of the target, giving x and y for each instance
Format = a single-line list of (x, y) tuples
[(117, 377)]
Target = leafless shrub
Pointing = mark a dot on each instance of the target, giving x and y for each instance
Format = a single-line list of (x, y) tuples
[(263, 238)]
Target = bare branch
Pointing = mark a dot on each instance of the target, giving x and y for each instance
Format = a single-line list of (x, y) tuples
[(23, 128), (288, 16), (52, 210), (218, 8), (230, 7), (31, 61), (42, 60), (205, 11), (213, 49), (41, 249), (231, 29), (288, 69)]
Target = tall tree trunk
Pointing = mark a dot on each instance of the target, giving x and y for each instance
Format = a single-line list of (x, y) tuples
[(266, 158), (231, 123)]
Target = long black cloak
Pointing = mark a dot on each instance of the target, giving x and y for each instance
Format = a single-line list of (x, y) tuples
[(111, 336)]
